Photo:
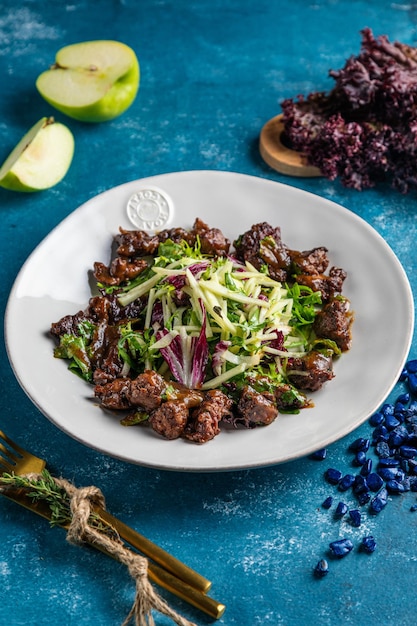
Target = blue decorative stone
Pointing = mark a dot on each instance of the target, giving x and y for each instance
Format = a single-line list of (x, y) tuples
[(333, 476), (394, 486), (346, 482), (376, 419), (321, 569), (412, 383), (411, 366), (374, 481), (341, 547), (391, 422), (368, 544), (327, 503), (341, 509), (366, 468), (379, 501), (319, 455), (355, 517)]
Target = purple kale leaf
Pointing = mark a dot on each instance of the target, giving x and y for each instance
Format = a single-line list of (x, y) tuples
[(364, 131)]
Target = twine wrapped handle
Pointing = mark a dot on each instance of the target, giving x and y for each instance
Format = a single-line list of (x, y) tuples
[(80, 531)]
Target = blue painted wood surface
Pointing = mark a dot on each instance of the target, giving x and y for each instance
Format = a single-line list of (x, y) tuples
[(213, 73)]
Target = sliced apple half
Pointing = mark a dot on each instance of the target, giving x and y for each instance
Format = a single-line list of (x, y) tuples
[(93, 81), (41, 158)]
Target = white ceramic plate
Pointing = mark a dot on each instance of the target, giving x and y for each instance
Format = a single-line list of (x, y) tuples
[(54, 282)]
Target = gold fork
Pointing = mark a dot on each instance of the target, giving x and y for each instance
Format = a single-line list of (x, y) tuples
[(174, 575)]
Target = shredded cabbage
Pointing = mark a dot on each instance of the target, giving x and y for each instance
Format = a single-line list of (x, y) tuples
[(210, 319)]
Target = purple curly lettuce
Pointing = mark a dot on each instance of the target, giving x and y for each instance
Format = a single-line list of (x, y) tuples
[(364, 131)]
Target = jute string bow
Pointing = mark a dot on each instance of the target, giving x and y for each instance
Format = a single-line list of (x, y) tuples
[(80, 531)]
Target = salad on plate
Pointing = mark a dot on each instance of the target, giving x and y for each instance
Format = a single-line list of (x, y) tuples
[(188, 332)]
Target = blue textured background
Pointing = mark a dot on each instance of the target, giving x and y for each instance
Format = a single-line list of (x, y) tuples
[(213, 72)]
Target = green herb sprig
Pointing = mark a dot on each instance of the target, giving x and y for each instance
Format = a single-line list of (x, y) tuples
[(44, 488)]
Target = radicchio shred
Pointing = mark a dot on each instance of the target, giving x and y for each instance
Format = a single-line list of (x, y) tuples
[(364, 131)]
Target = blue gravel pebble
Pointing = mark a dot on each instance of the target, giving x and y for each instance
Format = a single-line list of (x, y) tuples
[(360, 458), (366, 468), (408, 452), (327, 503), (341, 547), (412, 466), (321, 569), (398, 436), (359, 444), (374, 481), (394, 486), (383, 450), (363, 498), (368, 544), (391, 422), (387, 409), (360, 485), (388, 461), (403, 398), (376, 419), (319, 455), (412, 383), (380, 434), (355, 517), (333, 476), (390, 473), (411, 366), (346, 482), (379, 501), (341, 509)]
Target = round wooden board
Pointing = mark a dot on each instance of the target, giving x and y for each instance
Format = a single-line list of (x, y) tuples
[(278, 156)]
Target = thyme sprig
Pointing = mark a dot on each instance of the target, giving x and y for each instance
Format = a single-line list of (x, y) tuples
[(44, 488)]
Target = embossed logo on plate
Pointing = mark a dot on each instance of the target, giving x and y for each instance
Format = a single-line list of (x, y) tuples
[(149, 209)]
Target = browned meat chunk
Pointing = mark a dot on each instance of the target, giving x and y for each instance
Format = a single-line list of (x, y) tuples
[(104, 353), (99, 309), (169, 419), (146, 390), (212, 239), (114, 395), (203, 423), (329, 286), (119, 271), (334, 321), (134, 243), (67, 325), (311, 371), (313, 261), (262, 245), (177, 235), (256, 409)]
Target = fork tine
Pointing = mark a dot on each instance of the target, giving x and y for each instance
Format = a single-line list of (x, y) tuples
[(7, 457), (12, 444), (16, 459), (5, 466)]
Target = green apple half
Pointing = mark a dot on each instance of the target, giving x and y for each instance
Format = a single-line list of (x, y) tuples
[(93, 81), (41, 158)]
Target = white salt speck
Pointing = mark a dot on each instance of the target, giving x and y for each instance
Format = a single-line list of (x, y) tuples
[(19, 28), (263, 554), (4, 570), (226, 507)]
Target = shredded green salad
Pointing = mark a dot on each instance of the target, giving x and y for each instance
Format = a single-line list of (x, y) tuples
[(211, 319)]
